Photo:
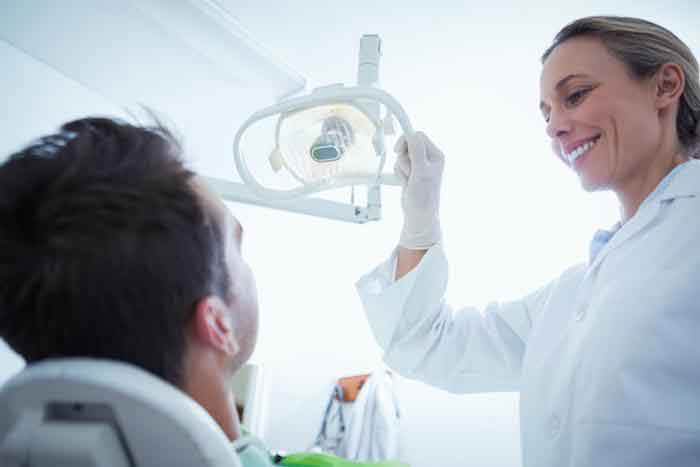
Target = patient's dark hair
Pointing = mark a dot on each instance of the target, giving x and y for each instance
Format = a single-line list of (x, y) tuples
[(105, 247)]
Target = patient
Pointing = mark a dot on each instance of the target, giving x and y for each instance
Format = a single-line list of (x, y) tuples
[(111, 248)]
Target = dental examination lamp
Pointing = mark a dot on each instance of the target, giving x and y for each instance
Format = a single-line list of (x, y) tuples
[(331, 138)]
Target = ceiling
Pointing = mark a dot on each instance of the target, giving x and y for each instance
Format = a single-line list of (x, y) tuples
[(433, 48)]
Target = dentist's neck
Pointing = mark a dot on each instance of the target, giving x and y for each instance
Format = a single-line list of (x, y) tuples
[(636, 190)]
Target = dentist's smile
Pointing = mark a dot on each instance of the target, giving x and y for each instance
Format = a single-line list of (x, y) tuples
[(573, 152)]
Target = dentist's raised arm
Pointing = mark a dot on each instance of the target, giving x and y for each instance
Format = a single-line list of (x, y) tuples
[(419, 165), (465, 350)]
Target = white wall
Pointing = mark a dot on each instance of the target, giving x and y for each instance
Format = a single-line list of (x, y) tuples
[(10, 362), (37, 99)]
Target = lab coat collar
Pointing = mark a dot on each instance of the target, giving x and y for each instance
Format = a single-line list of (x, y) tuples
[(685, 183)]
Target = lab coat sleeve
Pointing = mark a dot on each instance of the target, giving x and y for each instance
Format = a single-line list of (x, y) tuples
[(469, 350)]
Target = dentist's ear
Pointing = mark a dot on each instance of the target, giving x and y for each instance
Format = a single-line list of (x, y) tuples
[(670, 84), (213, 326)]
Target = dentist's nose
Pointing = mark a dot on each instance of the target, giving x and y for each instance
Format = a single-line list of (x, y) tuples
[(558, 127), (559, 124)]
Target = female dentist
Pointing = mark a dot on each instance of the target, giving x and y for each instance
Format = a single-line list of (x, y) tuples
[(607, 356)]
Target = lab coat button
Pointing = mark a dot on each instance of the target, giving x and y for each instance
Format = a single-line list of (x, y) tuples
[(554, 426), (580, 314)]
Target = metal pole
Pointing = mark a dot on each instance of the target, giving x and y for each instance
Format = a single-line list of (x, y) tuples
[(368, 75)]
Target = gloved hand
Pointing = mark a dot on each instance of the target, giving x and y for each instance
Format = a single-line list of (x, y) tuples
[(419, 165)]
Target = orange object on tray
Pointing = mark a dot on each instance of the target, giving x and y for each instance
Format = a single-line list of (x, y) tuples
[(351, 386)]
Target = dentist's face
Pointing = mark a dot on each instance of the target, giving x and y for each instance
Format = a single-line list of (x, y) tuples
[(601, 121)]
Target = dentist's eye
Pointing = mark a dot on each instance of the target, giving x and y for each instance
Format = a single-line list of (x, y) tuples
[(577, 96)]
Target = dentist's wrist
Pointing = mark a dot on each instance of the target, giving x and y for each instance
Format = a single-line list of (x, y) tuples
[(420, 236)]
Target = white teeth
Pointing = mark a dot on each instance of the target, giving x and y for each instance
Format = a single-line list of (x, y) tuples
[(576, 153)]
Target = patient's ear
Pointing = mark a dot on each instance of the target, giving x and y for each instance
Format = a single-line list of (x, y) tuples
[(213, 327)]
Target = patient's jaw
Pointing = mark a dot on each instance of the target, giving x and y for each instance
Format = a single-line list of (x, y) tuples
[(222, 332), (206, 369)]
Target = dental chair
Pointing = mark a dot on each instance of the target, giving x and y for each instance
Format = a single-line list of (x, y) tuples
[(101, 413)]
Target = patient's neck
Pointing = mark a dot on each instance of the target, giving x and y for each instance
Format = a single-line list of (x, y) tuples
[(208, 385)]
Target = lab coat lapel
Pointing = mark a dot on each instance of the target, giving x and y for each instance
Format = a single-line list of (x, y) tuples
[(685, 183), (636, 224)]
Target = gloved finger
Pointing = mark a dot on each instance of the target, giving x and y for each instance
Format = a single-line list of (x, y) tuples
[(416, 151), (400, 147), (404, 164), (402, 167), (400, 174), (433, 152)]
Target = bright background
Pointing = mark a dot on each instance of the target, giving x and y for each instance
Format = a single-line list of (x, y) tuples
[(513, 216)]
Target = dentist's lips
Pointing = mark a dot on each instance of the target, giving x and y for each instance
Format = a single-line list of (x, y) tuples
[(573, 153)]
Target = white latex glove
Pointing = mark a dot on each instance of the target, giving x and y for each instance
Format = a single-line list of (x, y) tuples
[(419, 165)]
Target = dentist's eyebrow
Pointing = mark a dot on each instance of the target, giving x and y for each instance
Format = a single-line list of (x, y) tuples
[(562, 82)]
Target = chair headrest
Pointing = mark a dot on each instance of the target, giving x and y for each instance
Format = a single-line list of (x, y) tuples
[(159, 424)]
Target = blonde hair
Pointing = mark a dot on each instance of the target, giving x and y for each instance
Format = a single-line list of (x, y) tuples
[(644, 47)]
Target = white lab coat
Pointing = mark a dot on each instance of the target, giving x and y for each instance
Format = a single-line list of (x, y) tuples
[(373, 432), (606, 357)]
